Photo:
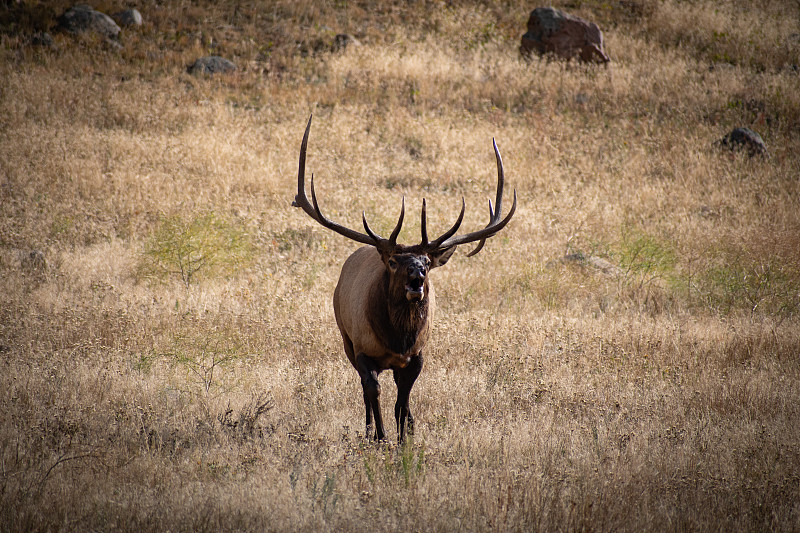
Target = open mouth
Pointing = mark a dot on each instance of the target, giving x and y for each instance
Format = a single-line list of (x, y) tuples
[(414, 290)]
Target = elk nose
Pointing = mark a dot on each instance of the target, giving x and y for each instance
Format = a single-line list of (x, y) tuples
[(415, 283)]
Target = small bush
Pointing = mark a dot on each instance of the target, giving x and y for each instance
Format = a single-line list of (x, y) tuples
[(752, 283), (204, 353), (205, 245), (644, 258)]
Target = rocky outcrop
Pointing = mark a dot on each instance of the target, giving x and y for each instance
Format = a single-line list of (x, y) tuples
[(553, 32), (212, 65), (746, 140), (85, 19)]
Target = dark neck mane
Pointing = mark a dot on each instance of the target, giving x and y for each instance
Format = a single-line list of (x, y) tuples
[(408, 317), (408, 320), (397, 321)]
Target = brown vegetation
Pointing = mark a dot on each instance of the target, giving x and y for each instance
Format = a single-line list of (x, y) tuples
[(658, 393)]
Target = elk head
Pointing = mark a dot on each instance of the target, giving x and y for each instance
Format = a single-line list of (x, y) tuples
[(384, 301)]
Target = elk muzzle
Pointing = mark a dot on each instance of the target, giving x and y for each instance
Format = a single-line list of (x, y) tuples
[(415, 288)]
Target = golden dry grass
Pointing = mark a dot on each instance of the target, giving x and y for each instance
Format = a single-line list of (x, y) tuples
[(660, 394)]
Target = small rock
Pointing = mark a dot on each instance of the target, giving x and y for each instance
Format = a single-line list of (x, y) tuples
[(606, 267), (708, 212), (744, 139), (343, 40), (83, 18), (34, 262), (594, 262), (551, 31), (575, 257), (128, 17), (43, 39), (212, 65)]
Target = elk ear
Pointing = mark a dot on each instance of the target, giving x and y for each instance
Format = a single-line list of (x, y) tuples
[(439, 258)]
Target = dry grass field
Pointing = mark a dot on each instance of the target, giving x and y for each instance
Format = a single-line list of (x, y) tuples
[(624, 356)]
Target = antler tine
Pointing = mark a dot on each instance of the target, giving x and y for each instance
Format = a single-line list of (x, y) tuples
[(301, 171), (392, 240), (396, 232), (424, 225), (317, 210), (313, 210), (498, 204), (483, 241), (483, 234), (369, 231), (449, 233)]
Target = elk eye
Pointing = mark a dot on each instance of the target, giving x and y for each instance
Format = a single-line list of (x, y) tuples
[(392, 264)]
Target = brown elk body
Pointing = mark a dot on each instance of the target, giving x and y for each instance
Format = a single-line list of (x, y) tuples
[(384, 301)]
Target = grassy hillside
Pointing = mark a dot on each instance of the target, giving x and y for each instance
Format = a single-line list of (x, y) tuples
[(625, 355)]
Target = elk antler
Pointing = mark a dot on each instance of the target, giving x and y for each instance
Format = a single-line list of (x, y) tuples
[(447, 240), (301, 201)]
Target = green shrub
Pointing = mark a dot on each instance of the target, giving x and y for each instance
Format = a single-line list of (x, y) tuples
[(644, 258), (205, 245), (752, 283)]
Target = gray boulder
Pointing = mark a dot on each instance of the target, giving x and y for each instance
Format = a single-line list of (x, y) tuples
[(128, 17), (551, 31), (744, 139), (212, 65), (85, 19)]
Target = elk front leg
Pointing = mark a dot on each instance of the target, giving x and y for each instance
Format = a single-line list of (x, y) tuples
[(405, 378), (372, 390)]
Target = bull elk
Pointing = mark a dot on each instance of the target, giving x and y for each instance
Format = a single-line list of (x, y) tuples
[(384, 301)]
